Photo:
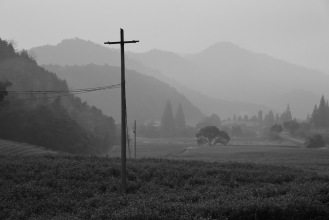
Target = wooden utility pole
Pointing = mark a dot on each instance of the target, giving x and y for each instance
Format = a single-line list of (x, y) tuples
[(135, 139), (123, 109)]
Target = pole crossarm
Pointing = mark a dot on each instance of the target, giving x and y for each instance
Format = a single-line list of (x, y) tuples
[(120, 42)]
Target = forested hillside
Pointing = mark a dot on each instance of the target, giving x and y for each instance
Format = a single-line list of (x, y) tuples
[(35, 112)]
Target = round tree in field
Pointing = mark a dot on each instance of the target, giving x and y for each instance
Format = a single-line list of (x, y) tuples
[(212, 135)]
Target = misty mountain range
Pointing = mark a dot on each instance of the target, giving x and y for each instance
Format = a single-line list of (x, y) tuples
[(223, 79)]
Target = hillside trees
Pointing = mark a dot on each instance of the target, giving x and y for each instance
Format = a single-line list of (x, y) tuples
[(64, 124), (7, 50)]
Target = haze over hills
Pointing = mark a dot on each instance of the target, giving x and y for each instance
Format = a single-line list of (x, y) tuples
[(232, 73), (146, 95), (249, 81), (80, 52)]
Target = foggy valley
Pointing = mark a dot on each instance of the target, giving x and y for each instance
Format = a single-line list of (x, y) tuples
[(164, 110)]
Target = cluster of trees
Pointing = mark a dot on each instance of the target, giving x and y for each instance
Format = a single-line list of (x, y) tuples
[(268, 119), (175, 125), (170, 125), (63, 124)]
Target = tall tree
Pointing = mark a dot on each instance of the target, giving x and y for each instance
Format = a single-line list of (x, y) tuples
[(322, 113), (180, 117), (167, 120), (286, 115)]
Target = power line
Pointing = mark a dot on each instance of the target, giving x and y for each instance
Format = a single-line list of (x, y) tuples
[(60, 92)]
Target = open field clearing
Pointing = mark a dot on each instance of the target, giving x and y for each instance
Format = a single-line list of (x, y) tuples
[(74, 187), (16, 148)]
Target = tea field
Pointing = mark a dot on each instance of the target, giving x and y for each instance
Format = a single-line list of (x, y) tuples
[(76, 187)]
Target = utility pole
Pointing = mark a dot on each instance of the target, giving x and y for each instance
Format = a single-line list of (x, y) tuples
[(123, 110), (135, 139)]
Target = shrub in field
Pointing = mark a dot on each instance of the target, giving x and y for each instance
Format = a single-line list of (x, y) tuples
[(315, 141)]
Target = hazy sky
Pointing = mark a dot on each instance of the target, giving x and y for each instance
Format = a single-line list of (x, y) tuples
[(293, 30)]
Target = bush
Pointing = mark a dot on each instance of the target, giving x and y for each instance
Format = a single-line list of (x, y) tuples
[(315, 141)]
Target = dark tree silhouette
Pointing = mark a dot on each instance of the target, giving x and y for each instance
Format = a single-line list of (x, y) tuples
[(212, 135)]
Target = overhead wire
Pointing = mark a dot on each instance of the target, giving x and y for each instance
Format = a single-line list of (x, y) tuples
[(59, 93)]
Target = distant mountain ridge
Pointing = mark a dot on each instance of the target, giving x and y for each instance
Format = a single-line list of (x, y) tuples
[(223, 71), (68, 52), (232, 73)]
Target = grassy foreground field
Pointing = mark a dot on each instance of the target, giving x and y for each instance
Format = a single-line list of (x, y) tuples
[(74, 187)]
